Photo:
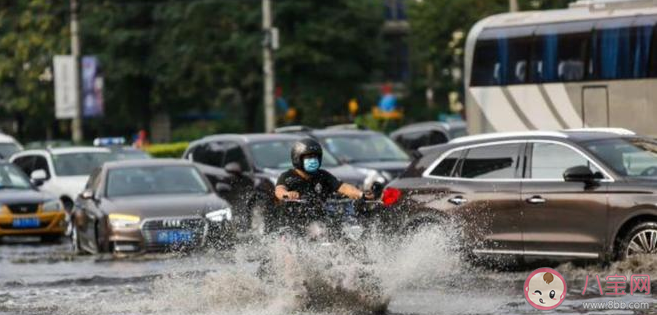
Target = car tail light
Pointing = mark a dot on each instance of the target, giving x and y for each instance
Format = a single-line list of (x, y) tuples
[(390, 196)]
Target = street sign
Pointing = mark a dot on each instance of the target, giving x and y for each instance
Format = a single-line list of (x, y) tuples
[(66, 99)]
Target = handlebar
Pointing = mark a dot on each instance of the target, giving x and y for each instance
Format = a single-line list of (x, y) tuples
[(330, 201), (298, 201)]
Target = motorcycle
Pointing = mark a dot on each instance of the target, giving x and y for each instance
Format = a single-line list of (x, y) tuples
[(330, 221), (318, 255)]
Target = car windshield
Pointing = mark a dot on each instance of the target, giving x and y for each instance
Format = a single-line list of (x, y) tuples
[(12, 177), (155, 180), (79, 164), (276, 155), (365, 148), (122, 155), (7, 149), (631, 157)]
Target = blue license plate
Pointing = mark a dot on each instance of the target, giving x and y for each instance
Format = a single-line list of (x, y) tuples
[(26, 223), (174, 237)]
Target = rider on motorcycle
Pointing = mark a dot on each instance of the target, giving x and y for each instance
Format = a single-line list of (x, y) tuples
[(312, 186), (306, 180)]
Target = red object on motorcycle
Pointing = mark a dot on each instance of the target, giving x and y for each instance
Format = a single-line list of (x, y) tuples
[(390, 196)]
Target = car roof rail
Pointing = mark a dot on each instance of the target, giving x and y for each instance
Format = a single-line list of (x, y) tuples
[(502, 135), (293, 129), (618, 131), (346, 127)]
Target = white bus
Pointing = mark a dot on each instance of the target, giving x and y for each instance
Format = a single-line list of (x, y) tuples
[(591, 65)]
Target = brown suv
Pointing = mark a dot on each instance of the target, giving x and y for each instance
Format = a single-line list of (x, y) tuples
[(574, 194)]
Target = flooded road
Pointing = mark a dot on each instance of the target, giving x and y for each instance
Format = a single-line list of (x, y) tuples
[(417, 275)]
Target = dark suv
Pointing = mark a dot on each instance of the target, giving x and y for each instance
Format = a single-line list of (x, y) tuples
[(587, 193), (245, 168), (368, 151)]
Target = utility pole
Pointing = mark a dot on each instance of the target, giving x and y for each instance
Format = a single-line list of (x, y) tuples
[(268, 66), (76, 125), (513, 5)]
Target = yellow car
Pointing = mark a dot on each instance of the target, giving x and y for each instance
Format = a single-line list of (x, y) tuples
[(26, 211)]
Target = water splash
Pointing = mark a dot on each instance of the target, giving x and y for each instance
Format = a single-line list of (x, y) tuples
[(283, 277)]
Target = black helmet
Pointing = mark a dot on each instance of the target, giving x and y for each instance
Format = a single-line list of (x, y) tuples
[(305, 147)]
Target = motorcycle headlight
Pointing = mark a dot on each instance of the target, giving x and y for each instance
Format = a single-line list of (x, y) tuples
[(220, 215), (53, 206), (123, 220)]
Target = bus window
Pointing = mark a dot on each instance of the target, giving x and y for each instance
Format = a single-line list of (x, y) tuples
[(613, 52), (560, 52), (485, 66), (643, 37), (621, 50), (653, 57), (501, 56)]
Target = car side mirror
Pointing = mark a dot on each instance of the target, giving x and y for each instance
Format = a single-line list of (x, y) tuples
[(579, 173), (38, 177), (377, 190), (233, 168), (87, 194), (222, 188)]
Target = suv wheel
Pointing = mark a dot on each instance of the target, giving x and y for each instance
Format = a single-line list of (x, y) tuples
[(641, 240)]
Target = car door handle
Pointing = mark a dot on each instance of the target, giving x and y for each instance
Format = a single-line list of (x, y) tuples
[(536, 200), (458, 200)]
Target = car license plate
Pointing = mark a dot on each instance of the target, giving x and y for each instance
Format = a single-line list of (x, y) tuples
[(173, 237), (26, 222)]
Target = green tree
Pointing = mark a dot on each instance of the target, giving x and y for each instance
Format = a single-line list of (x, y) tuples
[(329, 49), (121, 34), (205, 55), (33, 32)]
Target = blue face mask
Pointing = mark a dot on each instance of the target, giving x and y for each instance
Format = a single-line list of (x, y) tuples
[(311, 165)]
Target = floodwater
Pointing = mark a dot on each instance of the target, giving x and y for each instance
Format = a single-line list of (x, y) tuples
[(417, 274)]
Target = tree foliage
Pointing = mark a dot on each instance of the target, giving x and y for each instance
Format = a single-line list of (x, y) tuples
[(205, 55), (328, 50), (33, 31), (191, 57)]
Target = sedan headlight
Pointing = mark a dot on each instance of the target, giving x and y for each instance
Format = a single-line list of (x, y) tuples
[(53, 206), (220, 215), (123, 220)]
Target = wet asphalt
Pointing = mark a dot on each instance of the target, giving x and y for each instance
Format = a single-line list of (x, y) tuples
[(417, 276)]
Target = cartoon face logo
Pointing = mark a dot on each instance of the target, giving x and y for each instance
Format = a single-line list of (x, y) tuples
[(545, 289)]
